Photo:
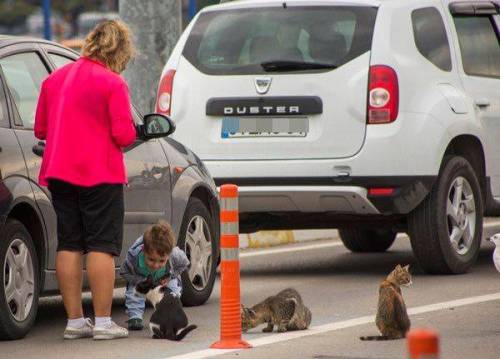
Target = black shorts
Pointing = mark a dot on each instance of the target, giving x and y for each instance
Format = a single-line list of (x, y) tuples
[(89, 219)]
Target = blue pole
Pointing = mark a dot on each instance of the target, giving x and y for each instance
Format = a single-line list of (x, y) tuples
[(47, 29), (192, 9)]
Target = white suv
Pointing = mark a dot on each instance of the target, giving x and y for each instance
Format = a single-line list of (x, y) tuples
[(374, 117)]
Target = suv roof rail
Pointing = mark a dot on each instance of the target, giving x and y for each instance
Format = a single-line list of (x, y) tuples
[(474, 8)]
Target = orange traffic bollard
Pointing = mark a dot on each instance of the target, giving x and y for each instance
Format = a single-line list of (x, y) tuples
[(230, 317), (423, 344)]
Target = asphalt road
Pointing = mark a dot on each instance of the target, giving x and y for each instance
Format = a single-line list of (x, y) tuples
[(340, 288)]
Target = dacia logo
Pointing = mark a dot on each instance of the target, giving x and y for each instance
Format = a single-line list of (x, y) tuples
[(262, 85)]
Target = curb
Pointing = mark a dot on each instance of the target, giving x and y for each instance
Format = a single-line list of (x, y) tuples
[(265, 239)]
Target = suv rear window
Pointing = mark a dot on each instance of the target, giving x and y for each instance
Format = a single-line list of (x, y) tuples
[(430, 37), (231, 42)]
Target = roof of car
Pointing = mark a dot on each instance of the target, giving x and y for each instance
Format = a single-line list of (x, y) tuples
[(6, 40), (252, 3), (248, 3)]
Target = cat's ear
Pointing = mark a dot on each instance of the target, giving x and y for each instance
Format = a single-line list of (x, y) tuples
[(407, 267), (242, 308), (398, 267)]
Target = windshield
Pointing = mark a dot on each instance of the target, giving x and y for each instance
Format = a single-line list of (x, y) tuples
[(240, 41)]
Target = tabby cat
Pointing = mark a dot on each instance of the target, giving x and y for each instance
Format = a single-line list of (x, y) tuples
[(392, 319), (285, 310)]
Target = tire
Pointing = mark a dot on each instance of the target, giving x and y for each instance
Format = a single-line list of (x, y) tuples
[(196, 289), (433, 224), (367, 240), (16, 272)]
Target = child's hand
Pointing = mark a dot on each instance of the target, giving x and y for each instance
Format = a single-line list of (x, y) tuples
[(164, 281)]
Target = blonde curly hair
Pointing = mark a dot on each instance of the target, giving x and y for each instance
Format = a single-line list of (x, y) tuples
[(111, 43)]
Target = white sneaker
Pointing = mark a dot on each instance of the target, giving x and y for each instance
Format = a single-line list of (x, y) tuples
[(77, 333), (114, 331)]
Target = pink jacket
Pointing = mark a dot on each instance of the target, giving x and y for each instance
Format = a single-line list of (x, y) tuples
[(84, 114)]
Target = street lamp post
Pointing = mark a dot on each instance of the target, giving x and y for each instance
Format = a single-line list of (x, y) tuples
[(47, 29), (192, 9)]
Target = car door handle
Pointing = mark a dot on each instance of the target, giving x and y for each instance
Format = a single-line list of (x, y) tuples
[(482, 102), (39, 149)]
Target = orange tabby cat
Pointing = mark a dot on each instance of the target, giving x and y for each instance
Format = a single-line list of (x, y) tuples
[(392, 319)]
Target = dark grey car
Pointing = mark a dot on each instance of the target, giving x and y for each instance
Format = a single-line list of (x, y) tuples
[(166, 180)]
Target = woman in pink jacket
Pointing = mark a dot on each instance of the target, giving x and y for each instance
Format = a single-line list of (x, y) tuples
[(84, 115)]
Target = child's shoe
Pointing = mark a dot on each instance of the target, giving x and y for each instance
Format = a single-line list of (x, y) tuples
[(135, 324)]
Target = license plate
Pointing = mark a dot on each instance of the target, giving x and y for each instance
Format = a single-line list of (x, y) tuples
[(264, 127)]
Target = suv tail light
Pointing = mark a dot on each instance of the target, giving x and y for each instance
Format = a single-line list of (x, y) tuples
[(383, 95), (164, 99)]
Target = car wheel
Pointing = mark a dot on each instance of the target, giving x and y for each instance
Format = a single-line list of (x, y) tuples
[(367, 240), (19, 281), (197, 239), (446, 228)]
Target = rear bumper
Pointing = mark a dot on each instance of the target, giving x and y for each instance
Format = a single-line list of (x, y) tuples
[(341, 199), (332, 195)]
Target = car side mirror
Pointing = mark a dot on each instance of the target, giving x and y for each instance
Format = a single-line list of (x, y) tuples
[(155, 126)]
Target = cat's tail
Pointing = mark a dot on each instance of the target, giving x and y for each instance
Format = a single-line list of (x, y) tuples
[(376, 337), (184, 332)]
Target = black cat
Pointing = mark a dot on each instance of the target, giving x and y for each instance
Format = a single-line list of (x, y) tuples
[(169, 316)]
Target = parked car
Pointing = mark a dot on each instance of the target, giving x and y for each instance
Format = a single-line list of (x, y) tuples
[(165, 180), (35, 25), (374, 117), (86, 21)]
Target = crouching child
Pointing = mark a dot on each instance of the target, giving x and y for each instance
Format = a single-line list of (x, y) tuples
[(154, 254)]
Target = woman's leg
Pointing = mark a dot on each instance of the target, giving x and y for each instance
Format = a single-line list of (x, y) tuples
[(101, 274), (69, 276)]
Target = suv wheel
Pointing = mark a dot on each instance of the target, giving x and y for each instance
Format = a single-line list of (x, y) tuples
[(446, 228), (19, 281), (367, 240), (197, 239)]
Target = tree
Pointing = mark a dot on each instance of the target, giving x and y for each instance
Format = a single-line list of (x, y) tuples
[(156, 25)]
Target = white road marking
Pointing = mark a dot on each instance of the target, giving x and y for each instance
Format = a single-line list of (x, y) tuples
[(290, 249), (320, 329)]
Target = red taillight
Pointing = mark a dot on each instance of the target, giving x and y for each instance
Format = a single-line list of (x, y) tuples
[(380, 191), (164, 98), (383, 95)]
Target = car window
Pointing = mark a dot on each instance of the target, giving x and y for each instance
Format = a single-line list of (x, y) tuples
[(479, 45), (59, 60), (136, 116), (24, 74), (238, 41), (430, 37), (4, 114)]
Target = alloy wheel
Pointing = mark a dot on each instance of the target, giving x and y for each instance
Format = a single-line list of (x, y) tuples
[(19, 282), (461, 215), (199, 251)]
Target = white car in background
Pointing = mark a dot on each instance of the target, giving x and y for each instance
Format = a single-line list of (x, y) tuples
[(374, 117)]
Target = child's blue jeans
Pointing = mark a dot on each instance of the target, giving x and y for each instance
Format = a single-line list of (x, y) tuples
[(135, 303)]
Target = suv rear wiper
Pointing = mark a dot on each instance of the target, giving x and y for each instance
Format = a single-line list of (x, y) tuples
[(285, 65)]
